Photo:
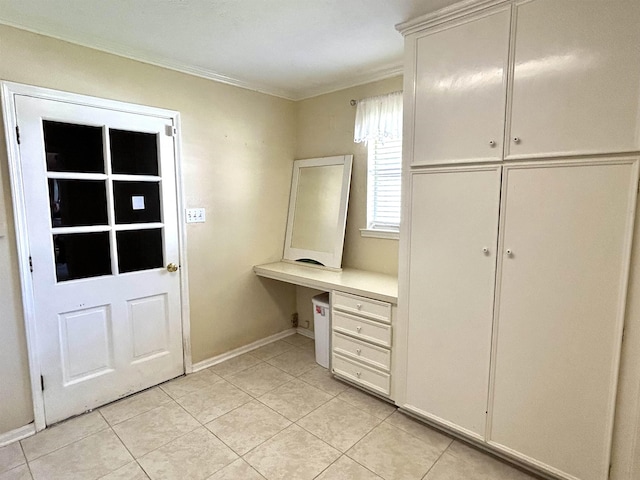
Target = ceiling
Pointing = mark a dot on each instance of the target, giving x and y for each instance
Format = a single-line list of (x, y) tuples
[(290, 48)]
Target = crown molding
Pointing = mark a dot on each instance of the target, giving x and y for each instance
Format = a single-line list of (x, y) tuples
[(354, 81), (120, 50), (451, 12)]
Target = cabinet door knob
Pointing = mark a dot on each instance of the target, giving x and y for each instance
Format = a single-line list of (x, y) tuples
[(358, 329), (516, 139), (358, 351), (358, 306), (485, 250), (492, 143), (509, 252)]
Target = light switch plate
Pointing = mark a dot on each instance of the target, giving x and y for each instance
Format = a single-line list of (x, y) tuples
[(195, 215)]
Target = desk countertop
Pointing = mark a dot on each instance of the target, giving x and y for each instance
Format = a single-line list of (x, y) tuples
[(350, 280)]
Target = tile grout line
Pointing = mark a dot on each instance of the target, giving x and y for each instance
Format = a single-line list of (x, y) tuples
[(329, 466), (125, 447), (70, 443), (171, 399), (26, 462), (437, 460), (431, 429)]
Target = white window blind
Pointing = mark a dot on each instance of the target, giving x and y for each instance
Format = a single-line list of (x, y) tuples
[(384, 187)]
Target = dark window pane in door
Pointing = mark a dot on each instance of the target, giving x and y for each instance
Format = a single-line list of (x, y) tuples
[(75, 203), (139, 250), (137, 202), (133, 153), (73, 148), (82, 255)]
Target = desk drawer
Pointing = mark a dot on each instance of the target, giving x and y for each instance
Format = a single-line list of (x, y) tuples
[(361, 374), (374, 309), (368, 330), (373, 355)]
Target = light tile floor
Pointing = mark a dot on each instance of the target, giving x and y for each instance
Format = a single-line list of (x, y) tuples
[(269, 414)]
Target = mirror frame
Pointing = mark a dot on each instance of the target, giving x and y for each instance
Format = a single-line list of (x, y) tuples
[(332, 260)]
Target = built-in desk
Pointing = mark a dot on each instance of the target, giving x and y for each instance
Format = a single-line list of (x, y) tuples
[(350, 280), (362, 306)]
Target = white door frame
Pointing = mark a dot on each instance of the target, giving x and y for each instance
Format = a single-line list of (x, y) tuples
[(9, 92)]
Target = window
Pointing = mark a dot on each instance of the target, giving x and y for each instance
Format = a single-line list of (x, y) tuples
[(383, 186), (379, 125)]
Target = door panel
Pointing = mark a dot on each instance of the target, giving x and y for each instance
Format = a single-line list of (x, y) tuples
[(460, 91), (108, 312), (454, 218), (86, 343), (566, 233), (576, 84), (150, 324)]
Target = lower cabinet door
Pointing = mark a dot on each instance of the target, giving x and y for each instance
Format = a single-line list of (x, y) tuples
[(564, 247), (454, 231)]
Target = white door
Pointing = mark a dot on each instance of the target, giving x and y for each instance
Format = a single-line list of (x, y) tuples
[(100, 195), (576, 78), (566, 233), (461, 76), (454, 232)]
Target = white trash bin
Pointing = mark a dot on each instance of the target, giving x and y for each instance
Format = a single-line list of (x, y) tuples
[(321, 322)]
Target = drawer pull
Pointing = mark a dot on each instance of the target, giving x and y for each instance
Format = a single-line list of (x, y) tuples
[(358, 351), (359, 306), (358, 328), (358, 374)]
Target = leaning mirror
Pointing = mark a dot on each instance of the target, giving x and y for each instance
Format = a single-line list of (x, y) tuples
[(318, 211)]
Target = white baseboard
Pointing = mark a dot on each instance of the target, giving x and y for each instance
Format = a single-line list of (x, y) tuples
[(239, 351), (306, 332), (17, 434)]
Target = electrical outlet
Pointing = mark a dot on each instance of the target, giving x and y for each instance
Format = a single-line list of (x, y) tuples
[(195, 215)]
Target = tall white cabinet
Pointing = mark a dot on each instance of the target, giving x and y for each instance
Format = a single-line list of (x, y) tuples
[(522, 146), (454, 230)]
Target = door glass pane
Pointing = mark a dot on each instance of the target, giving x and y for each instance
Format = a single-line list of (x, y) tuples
[(73, 148), (76, 203), (82, 255), (137, 202), (139, 250), (133, 153)]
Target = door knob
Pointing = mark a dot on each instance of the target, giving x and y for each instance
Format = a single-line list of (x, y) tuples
[(172, 267), (516, 139), (509, 252)]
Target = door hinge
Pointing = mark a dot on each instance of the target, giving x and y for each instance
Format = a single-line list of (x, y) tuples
[(42, 383), (170, 130), (30, 264), (18, 134)]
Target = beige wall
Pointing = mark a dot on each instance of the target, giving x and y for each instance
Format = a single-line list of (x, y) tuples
[(325, 127), (238, 147), (16, 407)]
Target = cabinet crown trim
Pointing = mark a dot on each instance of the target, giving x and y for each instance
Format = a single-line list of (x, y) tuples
[(452, 12)]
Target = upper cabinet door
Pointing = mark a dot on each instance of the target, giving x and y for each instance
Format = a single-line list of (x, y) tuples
[(576, 79), (460, 90)]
